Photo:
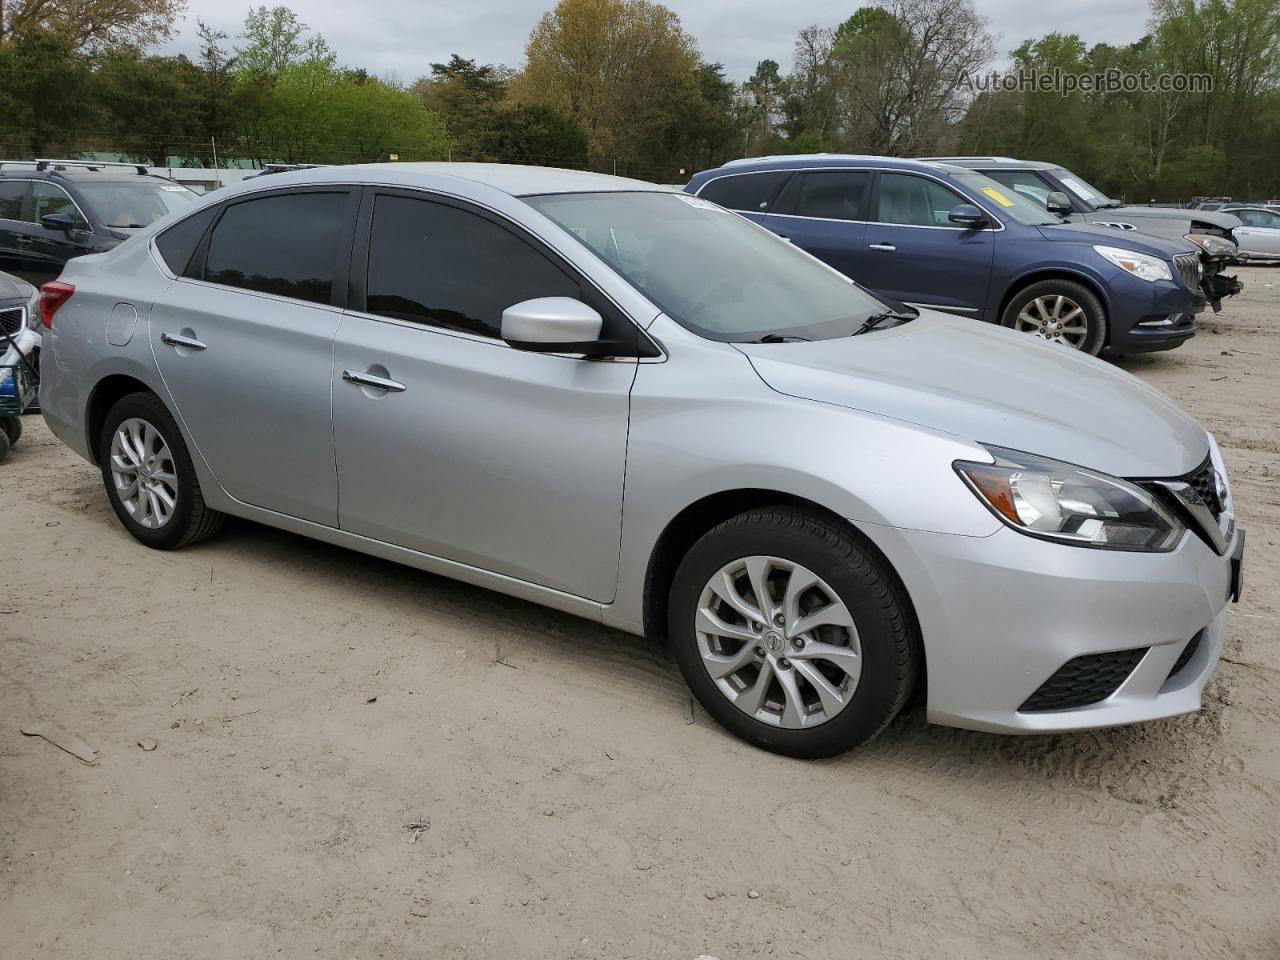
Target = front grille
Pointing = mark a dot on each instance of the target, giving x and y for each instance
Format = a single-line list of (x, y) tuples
[(1203, 480), (1084, 680), (1188, 265), (12, 320), (1185, 656)]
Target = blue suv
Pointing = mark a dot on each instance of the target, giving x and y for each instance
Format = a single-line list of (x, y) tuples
[(946, 238)]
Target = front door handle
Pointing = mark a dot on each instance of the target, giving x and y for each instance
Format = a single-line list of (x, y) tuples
[(369, 380), (889, 247), (24, 240), (178, 340)]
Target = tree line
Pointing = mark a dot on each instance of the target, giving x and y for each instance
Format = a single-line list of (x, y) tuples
[(621, 86)]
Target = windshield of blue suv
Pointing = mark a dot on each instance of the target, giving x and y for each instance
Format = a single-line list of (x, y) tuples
[(1012, 204), (133, 204), (712, 271)]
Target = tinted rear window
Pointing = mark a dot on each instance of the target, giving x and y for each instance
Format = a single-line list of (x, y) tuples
[(745, 191), (286, 245), (179, 242), (829, 194)]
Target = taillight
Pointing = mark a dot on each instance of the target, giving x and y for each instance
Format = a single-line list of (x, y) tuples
[(52, 296)]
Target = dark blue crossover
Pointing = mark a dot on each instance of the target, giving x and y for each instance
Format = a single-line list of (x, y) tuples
[(947, 238)]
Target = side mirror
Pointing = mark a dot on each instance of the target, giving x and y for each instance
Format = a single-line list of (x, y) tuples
[(1058, 202), (57, 221), (967, 215), (553, 325)]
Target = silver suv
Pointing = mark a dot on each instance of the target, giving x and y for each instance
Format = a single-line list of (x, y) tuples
[(629, 403)]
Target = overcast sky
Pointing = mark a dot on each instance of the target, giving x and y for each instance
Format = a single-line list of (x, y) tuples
[(402, 38)]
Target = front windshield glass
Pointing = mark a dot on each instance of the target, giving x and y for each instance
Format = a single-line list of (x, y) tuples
[(1091, 195), (709, 269), (1009, 202), (136, 204)]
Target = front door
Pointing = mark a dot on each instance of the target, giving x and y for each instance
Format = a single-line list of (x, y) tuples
[(245, 345), (474, 451), (916, 255)]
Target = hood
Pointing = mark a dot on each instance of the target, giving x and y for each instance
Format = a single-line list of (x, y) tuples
[(1136, 240), (11, 288), (992, 385), (1226, 221)]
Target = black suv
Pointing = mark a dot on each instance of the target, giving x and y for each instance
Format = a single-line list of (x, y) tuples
[(53, 210)]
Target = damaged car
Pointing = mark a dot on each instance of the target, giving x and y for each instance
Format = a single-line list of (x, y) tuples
[(1073, 198)]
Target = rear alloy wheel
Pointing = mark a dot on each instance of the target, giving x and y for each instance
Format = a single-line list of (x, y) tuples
[(1061, 312), (792, 633), (149, 478)]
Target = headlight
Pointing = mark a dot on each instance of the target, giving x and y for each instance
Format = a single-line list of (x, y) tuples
[(1058, 501), (1139, 264), (1213, 246)]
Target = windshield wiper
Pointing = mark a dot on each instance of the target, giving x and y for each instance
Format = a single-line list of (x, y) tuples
[(778, 338), (876, 319)]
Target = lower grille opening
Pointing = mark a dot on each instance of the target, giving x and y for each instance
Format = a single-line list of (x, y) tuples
[(1084, 680), (1185, 656)]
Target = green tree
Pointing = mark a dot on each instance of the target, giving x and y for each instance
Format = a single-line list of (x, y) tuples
[(151, 105), (275, 39), (466, 95), (532, 133), (44, 94)]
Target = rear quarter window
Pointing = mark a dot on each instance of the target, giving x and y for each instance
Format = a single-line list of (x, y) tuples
[(749, 192), (178, 244)]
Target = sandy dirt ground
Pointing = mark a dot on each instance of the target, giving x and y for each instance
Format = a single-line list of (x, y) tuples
[(308, 704)]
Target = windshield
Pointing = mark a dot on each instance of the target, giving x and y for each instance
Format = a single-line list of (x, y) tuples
[(709, 269), (1093, 197), (1011, 203), (136, 204)]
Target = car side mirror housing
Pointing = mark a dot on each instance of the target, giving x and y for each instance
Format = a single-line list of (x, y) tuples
[(554, 325), (58, 221), (1058, 202), (967, 215)]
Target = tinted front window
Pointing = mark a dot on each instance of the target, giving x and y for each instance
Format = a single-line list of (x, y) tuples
[(711, 270), (11, 194), (286, 245), (750, 192), (915, 201), (1009, 202), (47, 198), (436, 264), (135, 203), (834, 195)]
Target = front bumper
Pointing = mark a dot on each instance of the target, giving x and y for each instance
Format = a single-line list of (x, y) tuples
[(1000, 615), (1151, 316)]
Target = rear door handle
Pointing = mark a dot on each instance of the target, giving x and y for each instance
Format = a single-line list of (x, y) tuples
[(369, 380), (24, 240), (177, 340), (889, 247)]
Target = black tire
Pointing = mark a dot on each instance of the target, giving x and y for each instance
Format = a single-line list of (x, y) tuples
[(192, 521), (12, 427), (1095, 337), (4, 446), (890, 654)]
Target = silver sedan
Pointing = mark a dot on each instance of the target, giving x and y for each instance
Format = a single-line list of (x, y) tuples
[(628, 403), (1258, 237)]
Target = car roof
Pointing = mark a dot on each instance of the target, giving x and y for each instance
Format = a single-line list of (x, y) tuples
[(512, 179), (811, 160)]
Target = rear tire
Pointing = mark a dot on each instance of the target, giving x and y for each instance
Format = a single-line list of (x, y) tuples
[(1059, 311), (149, 477), (4, 446), (831, 662)]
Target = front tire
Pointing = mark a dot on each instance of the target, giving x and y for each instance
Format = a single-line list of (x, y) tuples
[(1059, 311), (792, 633), (149, 478)]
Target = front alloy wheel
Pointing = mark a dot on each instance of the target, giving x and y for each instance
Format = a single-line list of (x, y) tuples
[(778, 642), (793, 632), (1055, 318), (1060, 311)]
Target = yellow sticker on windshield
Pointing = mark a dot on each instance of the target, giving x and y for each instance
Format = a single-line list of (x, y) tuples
[(997, 196)]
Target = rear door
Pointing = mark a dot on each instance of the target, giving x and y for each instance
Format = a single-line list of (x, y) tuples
[(1260, 233), (245, 344), (824, 213), (748, 194), (916, 255)]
